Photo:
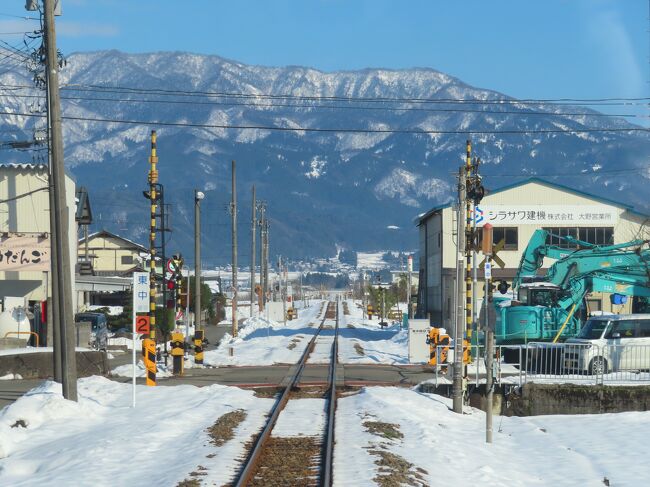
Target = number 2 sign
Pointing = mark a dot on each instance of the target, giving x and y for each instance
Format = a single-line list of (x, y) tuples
[(142, 324)]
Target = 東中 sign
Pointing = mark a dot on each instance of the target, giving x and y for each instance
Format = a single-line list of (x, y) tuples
[(142, 324), (488, 270), (141, 292)]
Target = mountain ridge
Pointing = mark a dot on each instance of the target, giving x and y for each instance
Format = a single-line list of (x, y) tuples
[(324, 190)]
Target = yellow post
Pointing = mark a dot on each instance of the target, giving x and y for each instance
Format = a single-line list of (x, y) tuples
[(151, 341), (573, 308), (178, 352), (149, 348), (198, 346)]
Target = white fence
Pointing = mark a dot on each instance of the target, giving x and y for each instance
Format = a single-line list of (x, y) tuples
[(558, 363)]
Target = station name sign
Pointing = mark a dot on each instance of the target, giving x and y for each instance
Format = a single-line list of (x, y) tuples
[(21, 252), (544, 215)]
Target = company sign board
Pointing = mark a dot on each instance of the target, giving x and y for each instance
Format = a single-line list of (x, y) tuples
[(20, 252), (546, 215)]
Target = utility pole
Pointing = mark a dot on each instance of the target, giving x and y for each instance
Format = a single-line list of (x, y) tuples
[(233, 209), (253, 234), (409, 269), (457, 387), (198, 196), (489, 331), (261, 223), (469, 243), (62, 270)]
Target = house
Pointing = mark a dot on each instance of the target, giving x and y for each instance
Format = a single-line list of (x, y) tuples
[(113, 255)]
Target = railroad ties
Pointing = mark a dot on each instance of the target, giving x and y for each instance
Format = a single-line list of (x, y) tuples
[(296, 448)]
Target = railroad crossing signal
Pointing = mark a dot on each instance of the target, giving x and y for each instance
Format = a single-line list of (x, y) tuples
[(495, 249)]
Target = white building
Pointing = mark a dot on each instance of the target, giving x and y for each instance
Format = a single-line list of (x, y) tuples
[(515, 212), (25, 235)]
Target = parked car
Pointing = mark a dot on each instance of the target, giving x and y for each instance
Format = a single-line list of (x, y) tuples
[(610, 344), (98, 330)]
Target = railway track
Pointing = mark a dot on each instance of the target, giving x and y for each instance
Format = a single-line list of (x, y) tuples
[(298, 460)]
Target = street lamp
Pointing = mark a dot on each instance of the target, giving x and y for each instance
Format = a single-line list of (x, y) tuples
[(198, 196)]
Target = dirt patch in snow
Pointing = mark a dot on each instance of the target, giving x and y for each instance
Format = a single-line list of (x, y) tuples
[(268, 392), (359, 349), (385, 430), (194, 481), (307, 392), (352, 326), (395, 470), (223, 428)]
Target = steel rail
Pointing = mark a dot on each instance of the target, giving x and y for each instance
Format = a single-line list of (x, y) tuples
[(328, 463), (246, 474)]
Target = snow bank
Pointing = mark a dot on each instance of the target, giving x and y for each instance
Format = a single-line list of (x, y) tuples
[(451, 448), (101, 441)]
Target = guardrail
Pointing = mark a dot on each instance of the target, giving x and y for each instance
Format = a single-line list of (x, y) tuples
[(34, 334), (580, 363)]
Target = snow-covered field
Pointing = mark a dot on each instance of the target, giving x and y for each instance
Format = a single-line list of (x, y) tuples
[(382, 433), (264, 342)]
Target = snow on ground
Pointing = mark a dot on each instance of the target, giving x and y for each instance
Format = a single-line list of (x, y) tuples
[(543, 450), (102, 441), (365, 342), (370, 260), (126, 370), (19, 351), (298, 418), (11, 377), (265, 342)]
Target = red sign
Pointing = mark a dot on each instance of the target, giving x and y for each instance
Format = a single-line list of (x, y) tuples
[(142, 324)]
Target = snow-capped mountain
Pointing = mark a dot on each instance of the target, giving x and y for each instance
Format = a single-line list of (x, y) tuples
[(323, 189)]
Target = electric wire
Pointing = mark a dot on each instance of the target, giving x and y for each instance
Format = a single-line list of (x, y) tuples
[(344, 107)]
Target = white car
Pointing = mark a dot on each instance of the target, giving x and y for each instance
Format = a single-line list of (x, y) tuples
[(609, 344)]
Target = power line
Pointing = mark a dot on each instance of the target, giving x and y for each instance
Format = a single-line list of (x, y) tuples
[(611, 101), (19, 17), (345, 107), (160, 91), (338, 130)]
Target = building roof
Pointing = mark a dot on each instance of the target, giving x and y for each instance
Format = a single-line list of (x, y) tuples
[(106, 233), (420, 218)]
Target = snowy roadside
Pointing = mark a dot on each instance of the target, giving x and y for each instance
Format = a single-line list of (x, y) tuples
[(395, 436), (418, 439), (102, 441)]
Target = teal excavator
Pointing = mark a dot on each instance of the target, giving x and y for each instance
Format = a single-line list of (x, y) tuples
[(552, 307)]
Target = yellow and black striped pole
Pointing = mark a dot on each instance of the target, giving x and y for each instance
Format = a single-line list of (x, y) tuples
[(469, 242), (149, 344)]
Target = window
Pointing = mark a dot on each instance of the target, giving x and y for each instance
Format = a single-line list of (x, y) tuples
[(127, 260), (509, 234), (594, 305), (625, 328), (644, 328), (593, 235)]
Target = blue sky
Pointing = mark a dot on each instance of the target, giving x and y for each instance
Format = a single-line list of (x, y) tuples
[(524, 48)]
